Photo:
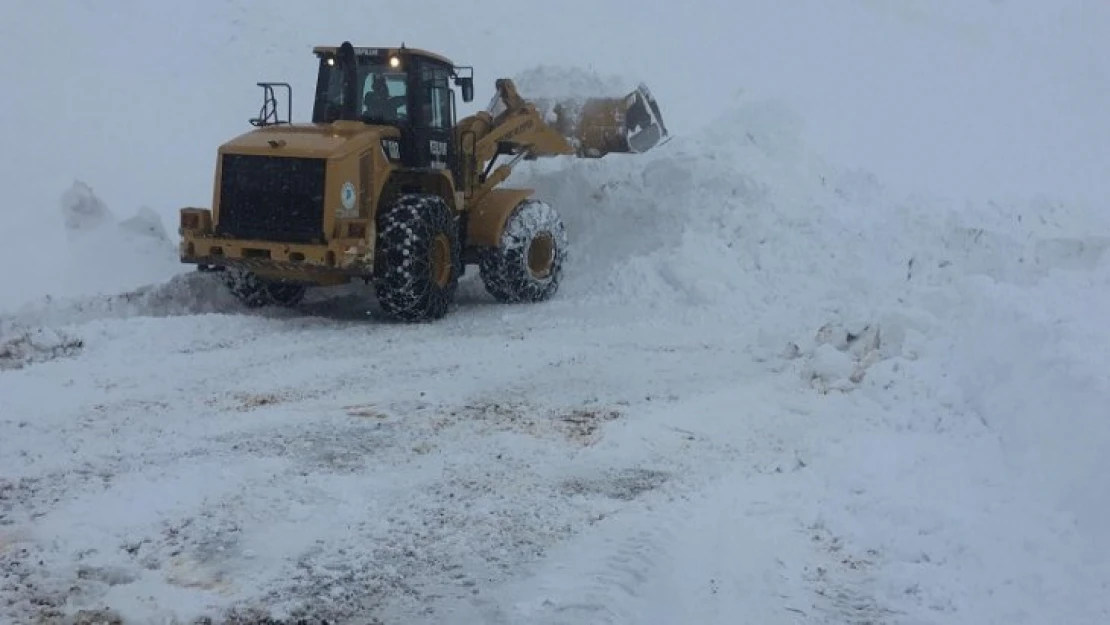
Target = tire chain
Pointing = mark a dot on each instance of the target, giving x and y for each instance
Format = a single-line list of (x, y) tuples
[(504, 270), (403, 280)]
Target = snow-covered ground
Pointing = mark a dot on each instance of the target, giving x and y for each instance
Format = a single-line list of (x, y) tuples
[(777, 386)]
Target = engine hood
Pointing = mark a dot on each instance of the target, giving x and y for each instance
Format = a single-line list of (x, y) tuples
[(308, 140)]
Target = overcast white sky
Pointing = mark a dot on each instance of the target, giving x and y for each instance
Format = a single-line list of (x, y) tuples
[(967, 97)]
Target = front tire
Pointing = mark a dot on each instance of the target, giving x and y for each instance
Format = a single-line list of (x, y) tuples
[(417, 264), (527, 264)]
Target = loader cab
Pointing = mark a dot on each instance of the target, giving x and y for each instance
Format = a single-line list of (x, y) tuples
[(406, 88)]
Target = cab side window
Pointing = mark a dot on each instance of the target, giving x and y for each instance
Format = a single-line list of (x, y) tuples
[(437, 99), (440, 108)]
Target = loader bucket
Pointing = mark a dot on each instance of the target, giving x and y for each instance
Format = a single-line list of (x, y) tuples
[(598, 126)]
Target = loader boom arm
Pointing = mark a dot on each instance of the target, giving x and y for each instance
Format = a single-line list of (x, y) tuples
[(509, 126), (517, 122), (514, 126)]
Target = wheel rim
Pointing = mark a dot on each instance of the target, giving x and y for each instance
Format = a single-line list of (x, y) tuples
[(441, 260), (541, 255)]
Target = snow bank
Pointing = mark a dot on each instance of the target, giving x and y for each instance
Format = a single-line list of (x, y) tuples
[(84, 250), (103, 267), (188, 294), (745, 215), (1031, 362), (996, 309)]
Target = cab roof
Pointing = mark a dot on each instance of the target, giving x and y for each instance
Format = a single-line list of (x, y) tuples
[(384, 51)]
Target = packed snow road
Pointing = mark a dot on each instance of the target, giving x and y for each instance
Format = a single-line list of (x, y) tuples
[(333, 467), (743, 406), (542, 465)]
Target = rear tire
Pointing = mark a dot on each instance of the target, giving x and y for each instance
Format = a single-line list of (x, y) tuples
[(527, 264), (417, 263), (254, 292)]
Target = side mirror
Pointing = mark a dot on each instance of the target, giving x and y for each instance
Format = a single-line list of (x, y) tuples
[(467, 85)]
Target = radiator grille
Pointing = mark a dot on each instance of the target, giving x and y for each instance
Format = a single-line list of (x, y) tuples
[(272, 198)]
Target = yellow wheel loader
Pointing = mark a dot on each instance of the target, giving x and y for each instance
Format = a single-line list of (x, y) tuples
[(385, 186)]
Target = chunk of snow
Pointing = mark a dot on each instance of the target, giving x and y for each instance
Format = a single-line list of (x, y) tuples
[(83, 211)]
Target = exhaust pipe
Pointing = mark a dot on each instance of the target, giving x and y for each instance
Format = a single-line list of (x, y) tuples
[(351, 91)]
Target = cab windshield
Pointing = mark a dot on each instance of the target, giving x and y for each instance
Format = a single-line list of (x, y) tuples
[(381, 91)]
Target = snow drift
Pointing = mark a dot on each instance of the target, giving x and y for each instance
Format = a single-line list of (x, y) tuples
[(997, 307)]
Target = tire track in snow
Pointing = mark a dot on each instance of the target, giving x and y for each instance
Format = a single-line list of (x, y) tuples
[(617, 584), (605, 592), (734, 534), (614, 570)]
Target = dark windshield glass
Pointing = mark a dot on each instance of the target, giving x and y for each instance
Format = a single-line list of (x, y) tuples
[(381, 91), (383, 95)]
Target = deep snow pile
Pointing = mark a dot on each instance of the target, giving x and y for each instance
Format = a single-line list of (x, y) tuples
[(959, 352), (996, 308), (104, 267)]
